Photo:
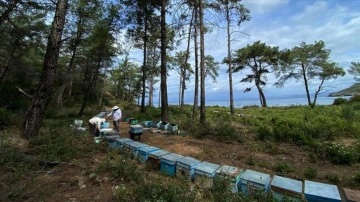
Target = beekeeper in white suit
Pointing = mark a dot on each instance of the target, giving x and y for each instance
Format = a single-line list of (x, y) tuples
[(116, 116), (95, 125)]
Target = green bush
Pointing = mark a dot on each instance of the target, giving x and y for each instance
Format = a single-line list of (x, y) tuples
[(5, 118), (310, 172), (282, 168), (348, 113), (356, 179), (333, 178), (355, 98), (340, 101), (340, 154)]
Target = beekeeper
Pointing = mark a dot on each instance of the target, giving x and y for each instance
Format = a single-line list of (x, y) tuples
[(95, 125), (116, 116)]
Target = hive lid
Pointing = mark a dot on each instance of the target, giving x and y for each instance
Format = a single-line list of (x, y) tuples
[(159, 153), (172, 157), (322, 190), (148, 149), (137, 126), (257, 177), (207, 167), (136, 144), (188, 161), (287, 184), (124, 140), (229, 170), (111, 137)]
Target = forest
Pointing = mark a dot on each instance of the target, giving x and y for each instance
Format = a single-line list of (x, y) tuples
[(69, 59)]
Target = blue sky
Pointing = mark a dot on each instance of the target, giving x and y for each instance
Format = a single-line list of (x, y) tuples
[(284, 23)]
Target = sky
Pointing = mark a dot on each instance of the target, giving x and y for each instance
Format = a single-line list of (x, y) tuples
[(283, 23)]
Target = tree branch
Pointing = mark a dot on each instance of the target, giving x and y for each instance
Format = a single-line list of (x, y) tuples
[(23, 92)]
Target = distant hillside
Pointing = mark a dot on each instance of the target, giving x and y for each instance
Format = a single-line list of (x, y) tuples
[(354, 89)]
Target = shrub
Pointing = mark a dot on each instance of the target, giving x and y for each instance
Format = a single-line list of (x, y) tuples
[(5, 118), (333, 178), (282, 168), (356, 179), (340, 101), (250, 161), (340, 154), (348, 113), (310, 172), (355, 98)]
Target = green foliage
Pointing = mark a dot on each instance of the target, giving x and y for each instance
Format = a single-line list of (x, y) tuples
[(333, 178), (310, 172), (58, 144), (5, 118), (341, 154), (348, 113), (250, 160), (355, 98), (282, 168), (221, 191), (356, 179), (340, 101)]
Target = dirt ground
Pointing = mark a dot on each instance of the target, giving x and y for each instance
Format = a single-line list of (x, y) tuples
[(70, 182)]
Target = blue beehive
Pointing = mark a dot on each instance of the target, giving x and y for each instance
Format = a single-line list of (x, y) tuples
[(120, 142), (168, 163), (204, 173), (136, 129), (185, 167), (154, 158), (111, 140), (164, 125), (232, 174), (352, 195), (143, 153), (156, 124), (252, 181), (286, 189), (316, 191), (134, 146), (172, 127), (147, 124)]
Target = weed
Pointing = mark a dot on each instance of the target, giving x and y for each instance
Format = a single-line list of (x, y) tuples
[(348, 113), (341, 154), (310, 172), (333, 178), (282, 168), (356, 179), (250, 161)]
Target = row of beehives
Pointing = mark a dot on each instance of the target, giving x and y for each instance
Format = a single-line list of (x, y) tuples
[(244, 181)]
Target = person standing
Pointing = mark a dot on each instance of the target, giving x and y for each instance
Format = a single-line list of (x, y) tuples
[(95, 125), (116, 116)]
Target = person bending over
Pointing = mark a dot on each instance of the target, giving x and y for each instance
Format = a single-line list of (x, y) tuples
[(95, 125)]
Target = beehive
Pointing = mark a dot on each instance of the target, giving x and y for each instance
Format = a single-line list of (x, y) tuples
[(204, 174), (120, 142), (143, 153), (133, 147), (185, 167), (168, 163), (156, 124), (154, 158), (352, 195), (253, 181), (286, 189), (133, 121), (316, 191), (232, 174), (111, 139), (136, 128), (147, 124), (172, 127), (164, 125)]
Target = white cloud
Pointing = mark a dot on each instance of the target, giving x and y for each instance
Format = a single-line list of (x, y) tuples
[(263, 6)]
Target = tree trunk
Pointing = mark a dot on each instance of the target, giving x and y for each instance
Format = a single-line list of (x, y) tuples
[(229, 57), (183, 87), (7, 12), (9, 58), (196, 90), (261, 94), (163, 84), (202, 65), (144, 69), (34, 115), (317, 93), (187, 56), (306, 84)]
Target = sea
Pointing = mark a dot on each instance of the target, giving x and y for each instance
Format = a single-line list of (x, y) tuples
[(274, 101)]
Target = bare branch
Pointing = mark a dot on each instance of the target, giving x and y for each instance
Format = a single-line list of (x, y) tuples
[(23, 92)]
